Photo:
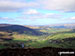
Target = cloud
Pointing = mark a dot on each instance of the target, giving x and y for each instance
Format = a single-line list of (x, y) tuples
[(10, 5), (60, 5), (7, 19), (4, 18), (72, 18), (17, 5), (34, 14), (53, 15), (31, 11)]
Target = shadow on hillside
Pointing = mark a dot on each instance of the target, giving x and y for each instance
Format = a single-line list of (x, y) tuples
[(21, 30), (6, 39)]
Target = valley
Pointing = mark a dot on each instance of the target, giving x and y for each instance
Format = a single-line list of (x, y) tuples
[(13, 36)]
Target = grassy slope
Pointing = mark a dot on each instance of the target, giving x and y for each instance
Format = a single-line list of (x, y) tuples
[(62, 43), (40, 41)]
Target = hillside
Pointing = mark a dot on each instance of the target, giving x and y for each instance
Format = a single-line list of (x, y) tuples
[(12, 36), (19, 29)]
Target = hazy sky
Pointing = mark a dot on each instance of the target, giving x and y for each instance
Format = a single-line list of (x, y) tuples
[(37, 12)]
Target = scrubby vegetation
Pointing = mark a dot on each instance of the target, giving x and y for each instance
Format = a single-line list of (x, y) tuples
[(46, 51)]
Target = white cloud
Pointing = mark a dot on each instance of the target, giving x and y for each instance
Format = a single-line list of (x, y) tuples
[(10, 5), (7, 19), (73, 18), (4, 18), (31, 11), (61, 5), (53, 15), (16, 5), (34, 14)]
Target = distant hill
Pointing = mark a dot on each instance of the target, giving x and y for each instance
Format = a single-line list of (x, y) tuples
[(70, 26), (3, 25), (45, 27), (62, 26), (19, 29)]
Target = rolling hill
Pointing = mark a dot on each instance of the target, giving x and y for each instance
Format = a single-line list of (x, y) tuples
[(19, 29), (13, 35)]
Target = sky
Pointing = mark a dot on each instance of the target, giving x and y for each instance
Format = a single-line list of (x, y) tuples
[(37, 12)]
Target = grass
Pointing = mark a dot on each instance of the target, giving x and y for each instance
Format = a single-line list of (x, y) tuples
[(41, 41), (61, 36), (2, 47)]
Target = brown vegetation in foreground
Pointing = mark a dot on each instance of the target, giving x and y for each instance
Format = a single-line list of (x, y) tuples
[(47, 51)]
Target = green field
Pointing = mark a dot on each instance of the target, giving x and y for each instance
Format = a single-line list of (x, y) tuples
[(62, 38)]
